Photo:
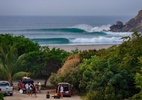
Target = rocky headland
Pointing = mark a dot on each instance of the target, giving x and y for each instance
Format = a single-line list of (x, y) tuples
[(133, 24)]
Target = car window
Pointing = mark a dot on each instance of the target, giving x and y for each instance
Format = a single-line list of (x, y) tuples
[(4, 84)]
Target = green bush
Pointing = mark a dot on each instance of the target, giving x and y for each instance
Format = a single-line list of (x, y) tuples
[(1, 96), (137, 96), (95, 95)]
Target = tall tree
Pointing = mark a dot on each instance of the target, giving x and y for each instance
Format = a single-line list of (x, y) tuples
[(52, 61), (10, 53), (8, 60)]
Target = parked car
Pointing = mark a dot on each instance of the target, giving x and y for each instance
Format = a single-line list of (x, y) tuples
[(67, 89), (21, 83), (6, 88)]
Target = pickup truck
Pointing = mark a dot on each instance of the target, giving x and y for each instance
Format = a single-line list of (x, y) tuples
[(5, 88)]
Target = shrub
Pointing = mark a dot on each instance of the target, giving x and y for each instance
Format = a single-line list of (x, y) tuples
[(95, 95), (1, 96), (137, 96)]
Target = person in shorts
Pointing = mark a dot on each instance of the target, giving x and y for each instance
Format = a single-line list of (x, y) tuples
[(31, 89), (61, 91), (27, 88), (39, 86)]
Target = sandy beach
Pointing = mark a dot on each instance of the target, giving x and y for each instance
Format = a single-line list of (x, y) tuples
[(82, 47)]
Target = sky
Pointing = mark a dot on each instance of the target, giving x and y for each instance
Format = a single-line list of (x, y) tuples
[(70, 7)]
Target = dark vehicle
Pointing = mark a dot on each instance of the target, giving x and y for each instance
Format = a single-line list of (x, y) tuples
[(67, 89), (21, 84)]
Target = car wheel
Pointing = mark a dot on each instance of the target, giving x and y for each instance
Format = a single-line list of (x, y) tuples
[(11, 94)]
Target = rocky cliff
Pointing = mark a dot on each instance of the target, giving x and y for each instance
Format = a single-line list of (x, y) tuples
[(134, 23)]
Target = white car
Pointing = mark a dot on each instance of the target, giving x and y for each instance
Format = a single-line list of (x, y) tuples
[(5, 88)]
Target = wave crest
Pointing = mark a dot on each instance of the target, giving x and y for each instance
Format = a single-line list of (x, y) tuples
[(101, 28), (81, 28), (51, 40), (89, 28)]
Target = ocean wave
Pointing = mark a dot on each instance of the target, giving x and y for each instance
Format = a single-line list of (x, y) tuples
[(75, 30), (101, 28), (81, 28), (51, 40), (89, 28), (120, 34), (94, 40), (97, 40)]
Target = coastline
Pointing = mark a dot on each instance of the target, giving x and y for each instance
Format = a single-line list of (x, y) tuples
[(83, 47)]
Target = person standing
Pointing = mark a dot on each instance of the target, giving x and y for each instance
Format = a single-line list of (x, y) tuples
[(31, 86), (35, 89), (39, 86), (61, 91), (27, 88)]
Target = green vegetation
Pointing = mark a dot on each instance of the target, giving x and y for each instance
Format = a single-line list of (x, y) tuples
[(11, 48), (106, 74), (1, 96), (20, 56)]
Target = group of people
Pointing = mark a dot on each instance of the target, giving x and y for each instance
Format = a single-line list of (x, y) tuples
[(32, 88)]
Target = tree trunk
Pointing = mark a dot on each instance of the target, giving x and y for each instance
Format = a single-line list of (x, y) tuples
[(10, 79), (46, 79), (45, 82)]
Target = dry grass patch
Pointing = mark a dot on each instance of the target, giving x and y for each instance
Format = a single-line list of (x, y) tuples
[(72, 61)]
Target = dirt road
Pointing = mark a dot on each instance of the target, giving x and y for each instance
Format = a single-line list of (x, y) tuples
[(40, 96)]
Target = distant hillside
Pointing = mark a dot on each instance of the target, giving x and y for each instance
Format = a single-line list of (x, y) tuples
[(134, 23)]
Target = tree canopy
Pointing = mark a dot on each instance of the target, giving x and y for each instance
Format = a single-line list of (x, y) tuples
[(108, 74), (21, 56)]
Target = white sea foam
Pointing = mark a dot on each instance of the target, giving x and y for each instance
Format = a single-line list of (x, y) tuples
[(89, 28), (97, 40), (101, 28), (120, 34)]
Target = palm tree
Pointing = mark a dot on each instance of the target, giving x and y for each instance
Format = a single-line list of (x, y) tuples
[(8, 62)]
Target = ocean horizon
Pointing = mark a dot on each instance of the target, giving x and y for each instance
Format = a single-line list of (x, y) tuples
[(64, 30)]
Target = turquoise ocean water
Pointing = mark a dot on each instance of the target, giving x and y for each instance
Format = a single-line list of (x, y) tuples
[(64, 30)]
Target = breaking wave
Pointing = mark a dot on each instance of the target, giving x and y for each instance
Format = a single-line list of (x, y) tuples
[(93, 40), (74, 30), (89, 28), (51, 40), (81, 28)]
